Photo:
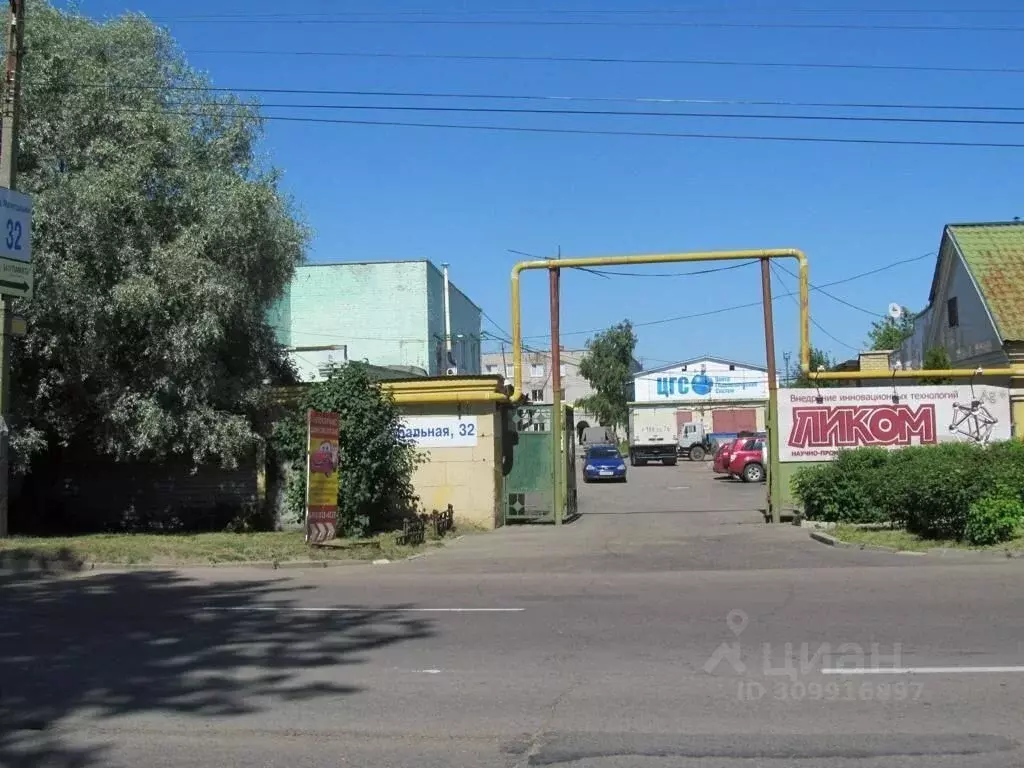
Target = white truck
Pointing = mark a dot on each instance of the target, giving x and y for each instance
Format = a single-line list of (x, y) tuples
[(652, 435), (693, 441)]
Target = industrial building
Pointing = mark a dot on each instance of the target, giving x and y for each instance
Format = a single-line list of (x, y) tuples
[(403, 315)]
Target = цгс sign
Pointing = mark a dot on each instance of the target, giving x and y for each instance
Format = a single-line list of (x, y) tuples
[(853, 417)]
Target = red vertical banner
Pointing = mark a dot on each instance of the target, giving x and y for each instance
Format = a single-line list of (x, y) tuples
[(321, 476)]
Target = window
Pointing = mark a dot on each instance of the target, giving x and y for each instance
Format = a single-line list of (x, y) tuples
[(953, 313), (537, 396), (732, 367), (492, 369), (509, 371), (537, 370), (561, 369), (561, 394)]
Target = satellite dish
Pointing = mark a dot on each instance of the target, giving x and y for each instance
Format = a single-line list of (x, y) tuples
[(895, 311)]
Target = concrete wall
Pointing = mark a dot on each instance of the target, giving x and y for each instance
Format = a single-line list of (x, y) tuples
[(101, 495), (467, 477), (378, 310), (466, 325)]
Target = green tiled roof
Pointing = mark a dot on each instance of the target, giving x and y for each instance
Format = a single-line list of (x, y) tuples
[(994, 254)]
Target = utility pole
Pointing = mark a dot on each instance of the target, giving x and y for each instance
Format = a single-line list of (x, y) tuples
[(8, 177), (774, 489), (554, 279)]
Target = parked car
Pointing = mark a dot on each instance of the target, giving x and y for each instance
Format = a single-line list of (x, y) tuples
[(604, 462), (746, 460), (720, 465), (726, 449)]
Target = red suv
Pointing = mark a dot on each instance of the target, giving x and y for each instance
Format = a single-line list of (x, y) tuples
[(720, 466), (746, 460)]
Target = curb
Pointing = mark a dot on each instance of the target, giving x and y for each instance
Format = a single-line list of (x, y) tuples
[(64, 568), (832, 541)]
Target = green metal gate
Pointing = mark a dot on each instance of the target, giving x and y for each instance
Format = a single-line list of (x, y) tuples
[(528, 468)]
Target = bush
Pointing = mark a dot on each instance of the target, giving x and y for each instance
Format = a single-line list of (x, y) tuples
[(993, 520), (929, 490), (375, 488), (846, 490)]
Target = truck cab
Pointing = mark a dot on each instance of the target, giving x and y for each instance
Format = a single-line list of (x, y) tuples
[(693, 441)]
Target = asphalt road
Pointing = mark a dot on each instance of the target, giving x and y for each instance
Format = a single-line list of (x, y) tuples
[(668, 626)]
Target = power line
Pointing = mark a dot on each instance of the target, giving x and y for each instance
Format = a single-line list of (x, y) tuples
[(622, 113), (554, 97), (600, 132), (495, 324), (617, 60), (589, 12), (407, 21), (814, 322), (614, 273), (832, 296), (747, 305)]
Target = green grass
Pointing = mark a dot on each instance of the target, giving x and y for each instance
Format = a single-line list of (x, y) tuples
[(200, 549), (909, 542)]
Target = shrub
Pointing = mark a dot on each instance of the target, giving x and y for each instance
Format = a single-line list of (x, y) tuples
[(929, 490), (993, 520), (934, 486), (375, 472), (846, 490)]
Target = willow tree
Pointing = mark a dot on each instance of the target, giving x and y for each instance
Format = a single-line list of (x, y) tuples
[(159, 242)]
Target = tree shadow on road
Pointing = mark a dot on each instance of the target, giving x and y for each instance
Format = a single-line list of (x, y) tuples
[(93, 649)]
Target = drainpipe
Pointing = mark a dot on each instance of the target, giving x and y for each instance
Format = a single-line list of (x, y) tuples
[(447, 317)]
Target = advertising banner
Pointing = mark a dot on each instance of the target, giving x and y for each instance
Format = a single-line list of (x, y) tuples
[(816, 423), (709, 382), (321, 476)]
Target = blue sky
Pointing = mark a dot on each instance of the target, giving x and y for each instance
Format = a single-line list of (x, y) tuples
[(466, 197)]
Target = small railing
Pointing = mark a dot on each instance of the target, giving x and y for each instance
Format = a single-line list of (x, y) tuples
[(414, 529)]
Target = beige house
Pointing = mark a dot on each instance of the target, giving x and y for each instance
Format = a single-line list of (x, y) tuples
[(537, 383)]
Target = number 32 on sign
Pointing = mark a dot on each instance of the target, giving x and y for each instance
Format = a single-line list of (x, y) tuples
[(15, 244)]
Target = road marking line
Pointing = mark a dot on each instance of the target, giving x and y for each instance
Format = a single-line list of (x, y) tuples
[(318, 609), (921, 670)]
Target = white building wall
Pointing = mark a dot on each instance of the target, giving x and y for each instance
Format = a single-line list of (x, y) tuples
[(702, 381)]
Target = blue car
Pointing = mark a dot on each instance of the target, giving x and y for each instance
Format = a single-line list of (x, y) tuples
[(603, 462)]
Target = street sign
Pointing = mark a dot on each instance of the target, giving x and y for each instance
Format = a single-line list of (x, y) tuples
[(15, 244)]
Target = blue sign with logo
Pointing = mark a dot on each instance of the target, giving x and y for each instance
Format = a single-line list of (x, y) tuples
[(704, 385)]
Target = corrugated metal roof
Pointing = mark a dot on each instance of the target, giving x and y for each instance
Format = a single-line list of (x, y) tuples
[(994, 254)]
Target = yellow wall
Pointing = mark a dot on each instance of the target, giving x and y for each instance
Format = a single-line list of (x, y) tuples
[(468, 478), (1017, 414)]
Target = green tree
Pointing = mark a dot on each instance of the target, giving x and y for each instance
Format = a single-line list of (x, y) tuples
[(889, 333), (820, 360), (159, 243), (608, 366), (937, 359), (375, 472)]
